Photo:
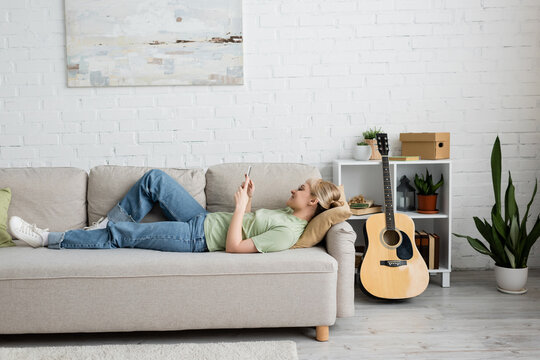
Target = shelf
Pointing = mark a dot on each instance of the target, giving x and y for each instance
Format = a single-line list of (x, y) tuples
[(411, 214), (415, 215), (431, 271), (366, 178), (357, 162), (378, 162), (438, 271)]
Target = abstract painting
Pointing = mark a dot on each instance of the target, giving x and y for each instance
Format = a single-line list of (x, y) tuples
[(154, 42)]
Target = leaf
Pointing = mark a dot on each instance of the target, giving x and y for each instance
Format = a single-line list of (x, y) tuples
[(421, 185), (529, 242), (516, 238), (524, 221), (483, 228), (510, 205), (439, 184), (418, 184), (511, 257), (429, 181), (476, 244), (514, 232), (496, 172), (497, 248), (498, 223)]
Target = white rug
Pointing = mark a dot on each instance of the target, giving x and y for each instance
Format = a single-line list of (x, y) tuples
[(258, 350)]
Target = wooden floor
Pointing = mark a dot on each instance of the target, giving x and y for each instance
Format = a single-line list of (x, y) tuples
[(469, 320)]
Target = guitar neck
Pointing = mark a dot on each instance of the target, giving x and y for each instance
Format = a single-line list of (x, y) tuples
[(388, 201)]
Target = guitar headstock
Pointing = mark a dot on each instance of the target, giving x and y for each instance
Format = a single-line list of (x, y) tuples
[(382, 143)]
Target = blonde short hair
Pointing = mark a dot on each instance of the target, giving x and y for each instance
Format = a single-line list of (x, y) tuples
[(327, 193)]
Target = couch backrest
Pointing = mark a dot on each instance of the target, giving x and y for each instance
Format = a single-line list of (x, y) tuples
[(107, 185), (273, 183), (61, 198), (50, 197)]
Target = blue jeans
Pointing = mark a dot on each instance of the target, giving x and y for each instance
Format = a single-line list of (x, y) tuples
[(184, 232)]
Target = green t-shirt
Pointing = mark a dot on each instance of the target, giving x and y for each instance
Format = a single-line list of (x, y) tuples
[(270, 230)]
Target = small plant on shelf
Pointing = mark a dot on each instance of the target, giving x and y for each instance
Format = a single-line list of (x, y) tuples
[(362, 151), (370, 137), (427, 193), (425, 185), (371, 133)]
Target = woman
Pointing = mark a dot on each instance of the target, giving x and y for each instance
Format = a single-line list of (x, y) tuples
[(191, 228)]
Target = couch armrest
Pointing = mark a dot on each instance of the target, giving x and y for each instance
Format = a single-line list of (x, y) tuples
[(340, 241)]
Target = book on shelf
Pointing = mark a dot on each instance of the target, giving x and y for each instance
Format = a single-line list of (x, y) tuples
[(424, 245), (434, 246), (429, 247), (404, 158)]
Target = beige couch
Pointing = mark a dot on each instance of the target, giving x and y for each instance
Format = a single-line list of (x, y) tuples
[(55, 291)]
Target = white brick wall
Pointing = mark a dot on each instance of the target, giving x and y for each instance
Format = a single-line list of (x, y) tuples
[(317, 73)]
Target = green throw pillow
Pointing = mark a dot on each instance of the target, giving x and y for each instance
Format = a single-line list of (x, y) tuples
[(5, 199)]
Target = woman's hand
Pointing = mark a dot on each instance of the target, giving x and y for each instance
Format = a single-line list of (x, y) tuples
[(250, 190), (241, 197), (235, 241), (251, 186)]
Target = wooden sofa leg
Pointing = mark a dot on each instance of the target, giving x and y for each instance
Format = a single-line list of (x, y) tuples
[(322, 333)]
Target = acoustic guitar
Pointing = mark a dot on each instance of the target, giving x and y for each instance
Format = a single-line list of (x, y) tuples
[(392, 267)]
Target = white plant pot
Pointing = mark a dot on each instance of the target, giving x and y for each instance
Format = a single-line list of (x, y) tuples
[(362, 152), (511, 281)]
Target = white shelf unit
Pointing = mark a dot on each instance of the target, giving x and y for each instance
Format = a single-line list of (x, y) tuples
[(366, 178)]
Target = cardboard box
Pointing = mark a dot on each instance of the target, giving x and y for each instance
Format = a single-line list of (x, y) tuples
[(429, 146)]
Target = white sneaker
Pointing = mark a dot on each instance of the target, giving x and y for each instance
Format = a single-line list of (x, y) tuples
[(100, 224), (29, 233)]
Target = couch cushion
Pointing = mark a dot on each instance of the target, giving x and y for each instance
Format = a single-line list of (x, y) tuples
[(101, 290), (273, 183), (24, 262), (107, 185), (50, 197)]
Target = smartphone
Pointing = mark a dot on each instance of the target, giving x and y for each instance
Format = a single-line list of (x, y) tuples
[(248, 171)]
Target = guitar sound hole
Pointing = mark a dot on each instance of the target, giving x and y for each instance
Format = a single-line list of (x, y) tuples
[(391, 237)]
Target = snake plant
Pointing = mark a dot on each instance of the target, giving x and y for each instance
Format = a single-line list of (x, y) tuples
[(426, 186), (509, 243)]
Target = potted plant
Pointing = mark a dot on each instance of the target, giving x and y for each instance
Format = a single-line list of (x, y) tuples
[(427, 195), (362, 151), (509, 242), (370, 137)]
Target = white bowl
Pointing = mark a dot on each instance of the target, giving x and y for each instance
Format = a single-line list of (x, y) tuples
[(362, 152)]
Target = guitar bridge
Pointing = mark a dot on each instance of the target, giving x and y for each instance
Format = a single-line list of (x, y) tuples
[(393, 263)]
